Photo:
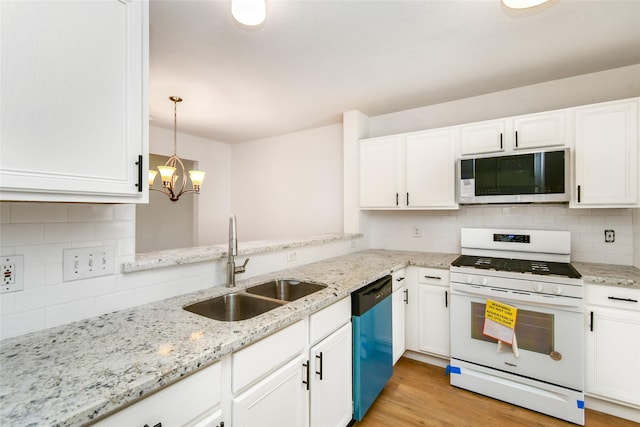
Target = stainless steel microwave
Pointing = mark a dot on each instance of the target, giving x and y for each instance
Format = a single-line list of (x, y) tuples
[(529, 177)]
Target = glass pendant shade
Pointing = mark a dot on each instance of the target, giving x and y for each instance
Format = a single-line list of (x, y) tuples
[(196, 178), (152, 177), (166, 172)]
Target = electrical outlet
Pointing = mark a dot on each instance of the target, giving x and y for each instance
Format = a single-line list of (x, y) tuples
[(12, 273), (84, 263), (609, 236), (292, 256), (416, 231)]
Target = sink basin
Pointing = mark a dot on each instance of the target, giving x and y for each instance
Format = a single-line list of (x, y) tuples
[(232, 307), (285, 290)]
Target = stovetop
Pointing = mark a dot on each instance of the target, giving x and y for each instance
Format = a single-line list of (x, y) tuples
[(517, 265)]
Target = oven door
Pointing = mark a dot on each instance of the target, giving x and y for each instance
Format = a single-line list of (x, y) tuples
[(550, 338)]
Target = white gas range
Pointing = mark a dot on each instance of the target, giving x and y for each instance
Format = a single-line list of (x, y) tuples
[(528, 273)]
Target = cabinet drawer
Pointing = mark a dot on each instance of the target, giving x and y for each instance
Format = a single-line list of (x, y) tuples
[(613, 296), (399, 278), (329, 319), (262, 357), (433, 276), (176, 405)]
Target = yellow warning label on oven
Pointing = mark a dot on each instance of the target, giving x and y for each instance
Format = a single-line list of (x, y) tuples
[(501, 313)]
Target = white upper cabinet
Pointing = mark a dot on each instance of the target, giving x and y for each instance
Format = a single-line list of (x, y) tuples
[(431, 169), (74, 101), (484, 137), (514, 133), (540, 130), (606, 155), (380, 169), (409, 171)]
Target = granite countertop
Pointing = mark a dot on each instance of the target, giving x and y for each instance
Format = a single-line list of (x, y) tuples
[(72, 374), (607, 274)]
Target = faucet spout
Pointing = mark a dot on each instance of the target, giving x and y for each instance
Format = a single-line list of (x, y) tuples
[(232, 270)]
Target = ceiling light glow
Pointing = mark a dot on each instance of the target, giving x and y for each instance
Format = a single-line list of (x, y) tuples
[(248, 12), (522, 4)]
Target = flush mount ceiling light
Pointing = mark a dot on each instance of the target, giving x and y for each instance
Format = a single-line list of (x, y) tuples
[(522, 4), (248, 12), (173, 185)]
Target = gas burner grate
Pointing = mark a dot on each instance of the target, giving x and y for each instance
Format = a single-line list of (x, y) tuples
[(540, 267), (482, 262)]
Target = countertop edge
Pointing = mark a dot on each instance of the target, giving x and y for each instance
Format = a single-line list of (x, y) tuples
[(173, 257)]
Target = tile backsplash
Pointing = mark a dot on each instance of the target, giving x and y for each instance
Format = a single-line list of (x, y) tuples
[(42, 231), (440, 230)]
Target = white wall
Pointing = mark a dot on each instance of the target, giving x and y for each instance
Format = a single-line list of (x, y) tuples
[(290, 185), (441, 229), (213, 202), (607, 85)]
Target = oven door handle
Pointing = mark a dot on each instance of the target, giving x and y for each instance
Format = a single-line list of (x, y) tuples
[(484, 292)]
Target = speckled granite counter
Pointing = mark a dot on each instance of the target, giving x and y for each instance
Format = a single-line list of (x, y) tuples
[(72, 374), (606, 274), (168, 258)]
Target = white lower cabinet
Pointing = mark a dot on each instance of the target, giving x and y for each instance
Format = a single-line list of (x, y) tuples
[(613, 344), (279, 400), (398, 303), (427, 311), (191, 402), (312, 388), (330, 385)]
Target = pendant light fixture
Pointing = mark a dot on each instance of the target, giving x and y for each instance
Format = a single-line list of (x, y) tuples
[(174, 184), (248, 12)]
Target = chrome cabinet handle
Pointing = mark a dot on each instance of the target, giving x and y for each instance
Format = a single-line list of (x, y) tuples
[(406, 296)]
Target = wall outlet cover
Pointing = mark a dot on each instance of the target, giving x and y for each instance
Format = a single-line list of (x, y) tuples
[(12, 267), (609, 236)]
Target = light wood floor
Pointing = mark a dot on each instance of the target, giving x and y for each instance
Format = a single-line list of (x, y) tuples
[(419, 394)]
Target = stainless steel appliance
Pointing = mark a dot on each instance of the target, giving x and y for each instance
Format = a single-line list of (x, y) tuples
[(372, 343), (528, 270), (524, 177)]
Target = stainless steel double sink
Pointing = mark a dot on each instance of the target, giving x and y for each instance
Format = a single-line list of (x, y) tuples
[(253, 301)]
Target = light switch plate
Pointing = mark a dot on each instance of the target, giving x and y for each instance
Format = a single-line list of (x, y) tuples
[(83, 263)]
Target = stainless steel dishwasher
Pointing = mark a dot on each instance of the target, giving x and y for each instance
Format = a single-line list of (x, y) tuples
[(372, 343)]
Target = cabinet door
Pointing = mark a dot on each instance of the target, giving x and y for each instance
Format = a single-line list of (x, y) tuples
[(398, 302), (279, 400), (412, 339), (539, 130), (483, 137), (380, 168), (398, 310), (331, 395), (606, 155), (433, 315), (430, 169), (74, 101), (612, 349)]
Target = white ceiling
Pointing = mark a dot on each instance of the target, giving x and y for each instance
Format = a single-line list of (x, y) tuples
[(311, 60)]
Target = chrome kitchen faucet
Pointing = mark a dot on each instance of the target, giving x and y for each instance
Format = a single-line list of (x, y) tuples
[(232, 270)]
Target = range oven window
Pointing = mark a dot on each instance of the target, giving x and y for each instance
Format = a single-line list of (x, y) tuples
[(534, 330)]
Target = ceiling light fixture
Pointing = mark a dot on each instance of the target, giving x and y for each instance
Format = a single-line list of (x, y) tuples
[(248, 12), (522, 4), (171, 180)]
